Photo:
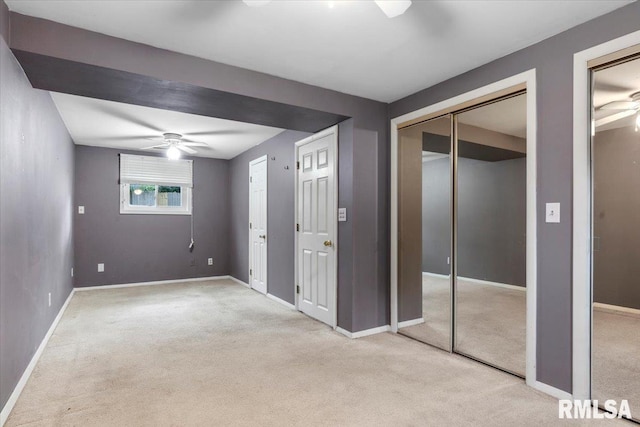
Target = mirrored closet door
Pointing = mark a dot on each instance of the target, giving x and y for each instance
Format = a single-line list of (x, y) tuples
[(615, 174), (462, 232)]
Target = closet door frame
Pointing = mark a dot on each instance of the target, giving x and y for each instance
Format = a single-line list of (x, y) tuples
[(523, 81)]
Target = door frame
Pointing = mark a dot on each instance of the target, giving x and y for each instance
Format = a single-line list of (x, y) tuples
[(266, 243), (526, 80), (582, 225), (336, 246)]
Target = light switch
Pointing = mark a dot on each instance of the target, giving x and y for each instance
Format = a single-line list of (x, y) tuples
[(342, 214), (100, 268), (553, 213), (81, 210)]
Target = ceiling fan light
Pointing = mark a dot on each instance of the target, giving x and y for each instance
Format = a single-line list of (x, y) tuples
[(393, 8), (173, 153)]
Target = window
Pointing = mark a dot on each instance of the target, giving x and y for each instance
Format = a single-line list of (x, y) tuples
[(155, 185)]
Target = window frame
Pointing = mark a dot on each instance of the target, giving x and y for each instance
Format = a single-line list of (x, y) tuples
[(127, 208)]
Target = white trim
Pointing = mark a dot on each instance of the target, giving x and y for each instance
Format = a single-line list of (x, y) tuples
[(266, 243), (412, 322), (159, 282), (8, 407), (582, 211), (365, 333), (496, 284), (551, 391), (529, 79), (616, 308), (321, 134), (281, 301), (239, 282)]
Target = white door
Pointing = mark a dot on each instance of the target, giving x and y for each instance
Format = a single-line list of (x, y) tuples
[(258, 224), (316, 225)]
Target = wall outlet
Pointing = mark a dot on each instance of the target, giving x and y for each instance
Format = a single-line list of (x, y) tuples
[(81, 210), (49, 299), (100, 268), (192, 263), (210, 261)]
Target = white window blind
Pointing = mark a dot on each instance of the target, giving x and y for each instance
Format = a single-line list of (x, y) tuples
[(155, 170)]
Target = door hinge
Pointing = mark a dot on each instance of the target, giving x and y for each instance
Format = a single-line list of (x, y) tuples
[(297, 289), (250, 225), (250, 179), (297, 227), (250, 272), (298, 165)]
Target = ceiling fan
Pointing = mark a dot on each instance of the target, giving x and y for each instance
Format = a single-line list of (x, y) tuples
[(626, 108), (174, 143)]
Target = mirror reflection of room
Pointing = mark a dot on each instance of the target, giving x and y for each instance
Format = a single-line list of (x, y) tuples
[(491, 234), (616, 234), (424, 287)]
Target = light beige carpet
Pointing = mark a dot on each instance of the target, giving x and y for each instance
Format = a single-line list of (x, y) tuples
[(616, 358), (216, 353), (490, 321)]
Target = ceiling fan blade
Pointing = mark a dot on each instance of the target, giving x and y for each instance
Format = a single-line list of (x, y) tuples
[(218, 133), (155, 147), (186, 149), (614, 117), (620, 105), (189, 143), (129, 118)]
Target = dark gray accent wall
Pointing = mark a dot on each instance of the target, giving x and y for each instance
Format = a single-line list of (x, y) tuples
[(491, 219), (143, 248), (36, 201), (616, 217), (553, 61), (56, 40), (281, 169)]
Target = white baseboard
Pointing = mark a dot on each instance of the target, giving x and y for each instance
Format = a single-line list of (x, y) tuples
[(365, 333), (239, 282), (8, 407), (497, 284), (281, 301), (551, 391), (616, 308), (412, 322), (158, 282)]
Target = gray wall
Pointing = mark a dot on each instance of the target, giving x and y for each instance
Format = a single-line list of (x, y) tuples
[(491, 219), (142, 248), (553, 60), (616, 217), (364, 287), (280, 217), (36, 188)]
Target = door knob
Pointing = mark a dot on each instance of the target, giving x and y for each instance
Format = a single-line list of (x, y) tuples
[(263, 236), (328, 243)]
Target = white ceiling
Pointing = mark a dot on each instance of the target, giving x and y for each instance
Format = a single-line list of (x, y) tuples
[(352, 47), (115, 125), (615, 83)]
